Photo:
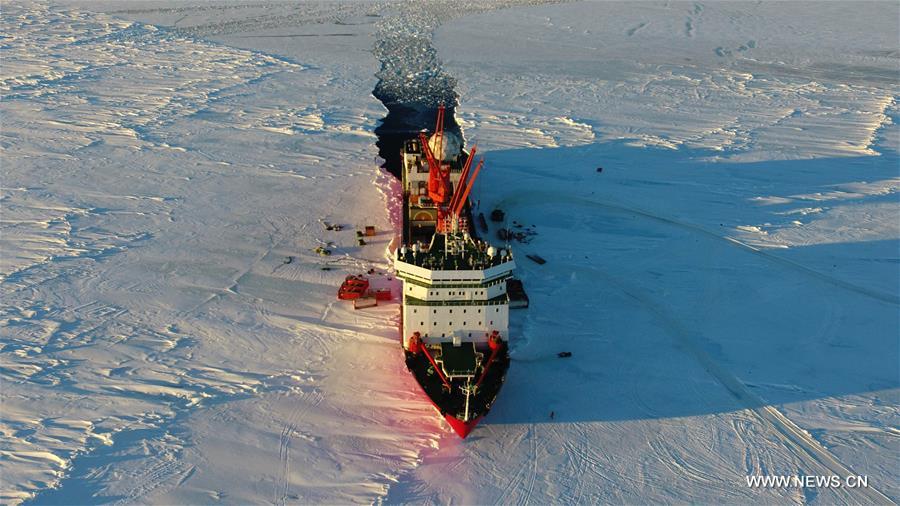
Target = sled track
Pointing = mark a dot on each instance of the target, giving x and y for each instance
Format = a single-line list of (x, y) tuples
[(799, 442)]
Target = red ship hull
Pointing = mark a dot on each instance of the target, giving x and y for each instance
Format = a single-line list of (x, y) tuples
[(461, 428)]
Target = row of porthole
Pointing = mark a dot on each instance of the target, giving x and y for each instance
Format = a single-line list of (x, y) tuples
[(480, 292), (492, 283), (422, 324), (496, 310), (454, 293)]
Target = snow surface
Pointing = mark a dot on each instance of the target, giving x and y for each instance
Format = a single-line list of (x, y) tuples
[(728, 284)]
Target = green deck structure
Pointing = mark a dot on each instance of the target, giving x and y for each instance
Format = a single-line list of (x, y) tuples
[(458, 360)]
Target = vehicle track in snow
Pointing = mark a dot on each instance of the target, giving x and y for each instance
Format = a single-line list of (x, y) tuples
[(288, 433), (799, 442), (817, 459), (284, 456), (533, 472), (516, 479), (160, 474)]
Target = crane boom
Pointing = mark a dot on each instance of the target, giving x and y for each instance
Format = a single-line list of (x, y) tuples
[(462, 178), (461, 202)]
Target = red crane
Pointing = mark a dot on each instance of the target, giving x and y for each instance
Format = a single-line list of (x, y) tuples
[(438, 172), (439, 177)]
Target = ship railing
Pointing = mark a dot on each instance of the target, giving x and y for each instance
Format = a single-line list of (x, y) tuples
[(441, 284), (498, 301), (452, 263)]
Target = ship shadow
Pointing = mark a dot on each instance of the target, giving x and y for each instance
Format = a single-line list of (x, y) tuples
[(668, 316)]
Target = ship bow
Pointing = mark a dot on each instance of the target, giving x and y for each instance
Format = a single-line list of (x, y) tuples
[(460, 427)]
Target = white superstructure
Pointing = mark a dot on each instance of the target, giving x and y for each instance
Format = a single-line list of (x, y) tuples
[(445, 304)]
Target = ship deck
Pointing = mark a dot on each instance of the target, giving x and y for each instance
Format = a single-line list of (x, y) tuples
[(474, 258), (459, 360), (453, 402)]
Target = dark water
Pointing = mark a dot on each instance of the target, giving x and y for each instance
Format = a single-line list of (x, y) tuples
[(411, 82), (403, 122)]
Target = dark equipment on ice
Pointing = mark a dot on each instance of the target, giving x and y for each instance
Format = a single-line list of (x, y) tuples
[(497, 215), (564, 354), (518, 299)]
